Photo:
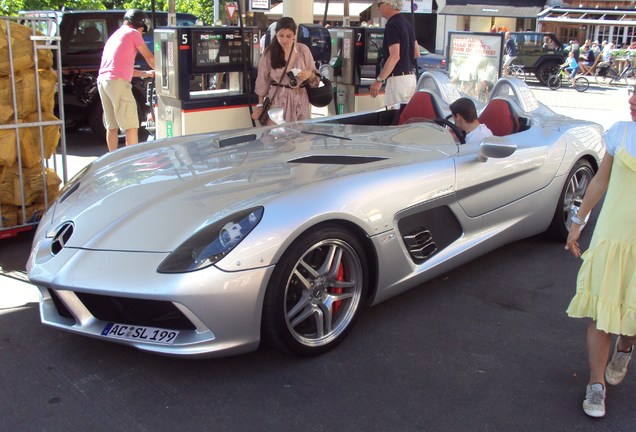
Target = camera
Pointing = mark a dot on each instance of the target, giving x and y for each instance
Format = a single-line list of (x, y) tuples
[(293, 82)]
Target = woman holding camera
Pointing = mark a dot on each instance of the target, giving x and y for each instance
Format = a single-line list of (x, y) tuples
[(284, 69)]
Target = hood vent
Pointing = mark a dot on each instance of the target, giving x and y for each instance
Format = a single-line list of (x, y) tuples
[(336, 160)]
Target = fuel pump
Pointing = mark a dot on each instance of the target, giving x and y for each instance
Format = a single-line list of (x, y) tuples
[(356, 54), (204, 78)]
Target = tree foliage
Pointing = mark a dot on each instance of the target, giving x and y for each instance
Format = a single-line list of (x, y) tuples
[(202, 9), (11, 7)]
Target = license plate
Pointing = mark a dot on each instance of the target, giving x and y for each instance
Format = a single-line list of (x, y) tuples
[(140, 333)]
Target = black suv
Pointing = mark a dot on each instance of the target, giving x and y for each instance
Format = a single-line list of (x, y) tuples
[(539, 53), (83, 35)]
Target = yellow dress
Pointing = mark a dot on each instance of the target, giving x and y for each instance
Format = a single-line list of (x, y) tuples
[(606, 284)]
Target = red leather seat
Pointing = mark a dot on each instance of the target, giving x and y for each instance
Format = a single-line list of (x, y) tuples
[(500, 118), (421, 105)]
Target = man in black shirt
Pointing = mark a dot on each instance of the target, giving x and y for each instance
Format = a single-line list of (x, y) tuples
[(400, 49)]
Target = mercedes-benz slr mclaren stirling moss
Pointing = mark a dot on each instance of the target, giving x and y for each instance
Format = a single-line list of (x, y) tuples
[(206, 245)]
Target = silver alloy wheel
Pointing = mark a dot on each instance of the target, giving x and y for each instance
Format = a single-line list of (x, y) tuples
[(323, 292), (575, 190)]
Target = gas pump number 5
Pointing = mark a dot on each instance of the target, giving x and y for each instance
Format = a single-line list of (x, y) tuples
[(184, 39)]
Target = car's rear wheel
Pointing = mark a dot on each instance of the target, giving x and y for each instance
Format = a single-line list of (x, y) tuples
[(316, 292), (573, 192)]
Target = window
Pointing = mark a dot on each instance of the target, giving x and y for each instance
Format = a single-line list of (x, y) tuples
[(89, 35)]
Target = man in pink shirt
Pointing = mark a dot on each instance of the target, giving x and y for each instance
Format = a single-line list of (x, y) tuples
[(115, 74)]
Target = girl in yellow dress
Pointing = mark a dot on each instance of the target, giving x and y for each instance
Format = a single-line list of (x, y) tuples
[(606, 284)]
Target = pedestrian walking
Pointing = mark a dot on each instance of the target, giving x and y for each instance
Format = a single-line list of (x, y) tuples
[(606, 283)]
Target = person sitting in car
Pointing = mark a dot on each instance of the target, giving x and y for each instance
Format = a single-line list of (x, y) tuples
[(465, 116)]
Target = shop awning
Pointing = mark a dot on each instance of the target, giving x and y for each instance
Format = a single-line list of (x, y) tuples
[(501, 8), (588, 16), (336, 10)]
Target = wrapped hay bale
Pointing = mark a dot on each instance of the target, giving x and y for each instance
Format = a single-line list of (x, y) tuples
[(33, 185), (33, 214), (30, 139), (6, 99), (6, 111), (21, 49), (26, 92), (8, 215), (8, 152)]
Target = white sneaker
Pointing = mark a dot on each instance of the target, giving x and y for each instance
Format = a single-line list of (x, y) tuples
[(594, 402), (617, 366)]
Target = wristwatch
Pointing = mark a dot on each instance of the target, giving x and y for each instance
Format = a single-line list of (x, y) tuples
[(380, 80), (575, 216)]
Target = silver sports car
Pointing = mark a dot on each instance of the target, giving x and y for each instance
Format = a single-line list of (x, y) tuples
[(207, 245)]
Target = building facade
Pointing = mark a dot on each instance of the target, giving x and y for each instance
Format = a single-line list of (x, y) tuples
[(599, 20)]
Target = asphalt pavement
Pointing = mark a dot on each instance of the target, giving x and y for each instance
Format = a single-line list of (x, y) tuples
[(485, 348)]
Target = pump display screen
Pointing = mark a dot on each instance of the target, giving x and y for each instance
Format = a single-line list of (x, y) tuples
[(373, 46), (222, 49)]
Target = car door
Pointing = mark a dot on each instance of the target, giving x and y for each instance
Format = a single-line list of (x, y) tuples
[(494, 183)]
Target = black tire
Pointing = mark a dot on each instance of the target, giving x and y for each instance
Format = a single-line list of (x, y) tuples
[(581, 84), (554, 82), (316, 292), (545, 71), (573, 192)]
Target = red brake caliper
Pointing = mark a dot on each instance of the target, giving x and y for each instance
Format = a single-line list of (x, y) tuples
[(336, 290)]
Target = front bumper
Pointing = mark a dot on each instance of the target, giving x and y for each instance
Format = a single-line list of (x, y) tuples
[(216, 312)]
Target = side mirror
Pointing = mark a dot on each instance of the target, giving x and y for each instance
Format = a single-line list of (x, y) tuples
[(277, 115), (495, 147)]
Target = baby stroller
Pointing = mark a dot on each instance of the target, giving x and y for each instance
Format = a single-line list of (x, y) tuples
[(602, 68)]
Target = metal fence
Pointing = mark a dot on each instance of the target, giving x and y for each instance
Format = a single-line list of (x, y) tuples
[(32, 138)]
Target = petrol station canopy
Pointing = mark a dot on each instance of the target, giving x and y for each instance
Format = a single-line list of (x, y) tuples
[(335, 13)]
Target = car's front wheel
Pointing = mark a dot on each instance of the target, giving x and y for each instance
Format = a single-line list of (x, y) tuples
[(316, 292), (573, 192)]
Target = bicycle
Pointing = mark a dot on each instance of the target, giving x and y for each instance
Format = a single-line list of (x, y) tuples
[(516, 71), (613, 75), (555, 81)]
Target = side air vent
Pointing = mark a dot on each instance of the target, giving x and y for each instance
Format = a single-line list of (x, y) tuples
[(420, 244), (425, 232)]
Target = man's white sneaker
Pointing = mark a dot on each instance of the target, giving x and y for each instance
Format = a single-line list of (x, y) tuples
[(617, 366), (594, 403)]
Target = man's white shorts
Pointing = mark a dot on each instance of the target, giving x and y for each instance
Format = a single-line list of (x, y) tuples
[(399, 88)]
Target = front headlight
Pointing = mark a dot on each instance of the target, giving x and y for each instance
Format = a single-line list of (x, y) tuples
[(210, 244)]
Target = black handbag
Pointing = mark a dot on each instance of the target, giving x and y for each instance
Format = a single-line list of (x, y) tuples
[(321, 96)]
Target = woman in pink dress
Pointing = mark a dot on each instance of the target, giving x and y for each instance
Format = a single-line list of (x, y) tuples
[(286, 81)]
